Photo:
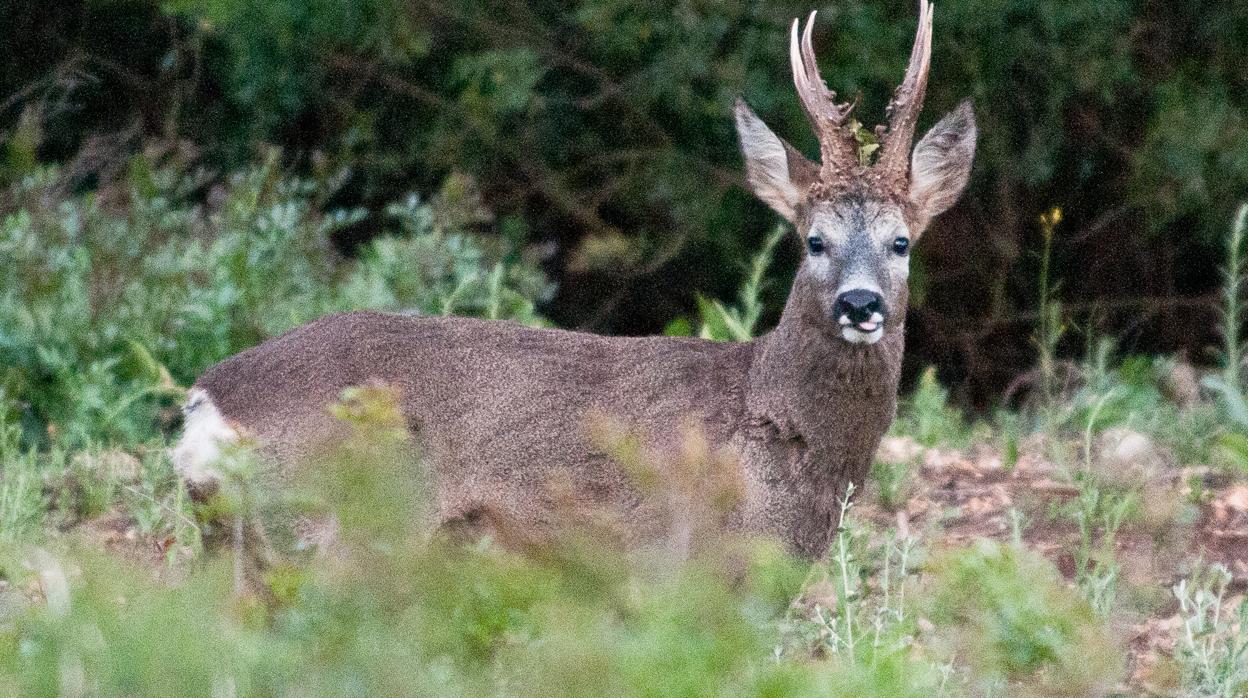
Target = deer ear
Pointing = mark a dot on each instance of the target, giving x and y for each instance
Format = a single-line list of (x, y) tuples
[(941, 164), (777, 173)]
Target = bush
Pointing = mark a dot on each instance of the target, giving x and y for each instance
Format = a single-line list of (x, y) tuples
[(107, 310), (1011, 613)]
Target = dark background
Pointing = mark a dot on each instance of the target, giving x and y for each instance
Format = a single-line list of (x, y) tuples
[(601, 132)]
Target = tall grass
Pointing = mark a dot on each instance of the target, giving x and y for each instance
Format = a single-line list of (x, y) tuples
[(1233, 299)]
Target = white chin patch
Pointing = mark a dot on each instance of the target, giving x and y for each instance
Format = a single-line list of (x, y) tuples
[(866, 332), (853, 335)]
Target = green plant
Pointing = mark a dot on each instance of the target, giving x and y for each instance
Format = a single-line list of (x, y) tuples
[(1099, 514), (1233, 299), (1099, 511), (740, 323), (1230, 386), (928, 418), (857, 608), (1212, 645), (105, 314), (892, 480), (1051, 325), (1013, 616), (391, 612)]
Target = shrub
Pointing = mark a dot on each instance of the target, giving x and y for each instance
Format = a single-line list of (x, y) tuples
[(1013, 616), (106, 310)]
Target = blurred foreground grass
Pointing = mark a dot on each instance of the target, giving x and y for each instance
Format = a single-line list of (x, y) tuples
[(385, 610)]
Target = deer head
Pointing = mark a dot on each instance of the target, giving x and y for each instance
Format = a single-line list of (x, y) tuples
[(858, 218)]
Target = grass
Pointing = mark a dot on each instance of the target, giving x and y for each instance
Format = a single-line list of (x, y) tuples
[(1013, 617), (389, 612)]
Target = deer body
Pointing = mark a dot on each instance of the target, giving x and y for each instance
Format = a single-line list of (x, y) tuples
[(501, 409)]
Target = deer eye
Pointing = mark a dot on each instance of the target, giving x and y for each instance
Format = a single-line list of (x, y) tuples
[(901, 245), (815, 243)]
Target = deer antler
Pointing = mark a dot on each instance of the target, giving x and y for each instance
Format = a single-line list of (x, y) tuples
[(902, 113), (837, 147)]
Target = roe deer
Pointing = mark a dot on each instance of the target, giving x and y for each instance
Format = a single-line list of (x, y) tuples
[(500, 409)]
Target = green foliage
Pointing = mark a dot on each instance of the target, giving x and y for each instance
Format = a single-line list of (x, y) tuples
[(1099, 512), (1233, 298), (389, 612), (928, 418), (604, 127), (869, 623), (105, 312), (1230, 386), (1212, 649), (740, 323), (527, 73), (21, 496), (892, 479), (1017, 616), (1128, 392)]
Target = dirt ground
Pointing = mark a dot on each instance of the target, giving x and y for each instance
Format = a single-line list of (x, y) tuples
[(1186, 516)]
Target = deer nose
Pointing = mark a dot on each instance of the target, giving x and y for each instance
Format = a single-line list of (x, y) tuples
[(859, 306)]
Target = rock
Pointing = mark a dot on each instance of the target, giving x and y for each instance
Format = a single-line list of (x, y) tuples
[(1181, 384), (821, 594), (898, 449), (1128, 458)]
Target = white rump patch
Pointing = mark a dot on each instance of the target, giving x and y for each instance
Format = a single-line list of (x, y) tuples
[(198, 451)]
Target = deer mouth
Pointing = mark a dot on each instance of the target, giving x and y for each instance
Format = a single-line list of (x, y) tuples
[(866, 331)]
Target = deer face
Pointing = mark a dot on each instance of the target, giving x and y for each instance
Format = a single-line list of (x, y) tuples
[(858, 258), (858, 221)]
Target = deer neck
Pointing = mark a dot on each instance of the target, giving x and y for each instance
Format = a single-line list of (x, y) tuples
[(817, 407), (811, 380)]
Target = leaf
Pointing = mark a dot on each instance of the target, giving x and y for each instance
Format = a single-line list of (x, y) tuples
[(714, 320), (679, 327), (154, 371), (1232, 397)]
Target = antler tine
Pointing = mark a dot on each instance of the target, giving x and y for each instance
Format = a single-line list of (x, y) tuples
[(806, 92), (835, 112), (903, 111), (836, 145), (799, 69)]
